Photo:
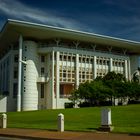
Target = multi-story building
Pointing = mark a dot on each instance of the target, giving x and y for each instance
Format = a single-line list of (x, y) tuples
[(40, 65)]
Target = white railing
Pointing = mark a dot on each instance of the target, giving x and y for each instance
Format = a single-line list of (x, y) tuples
[(43, 78), (83, 49), (65, 95)]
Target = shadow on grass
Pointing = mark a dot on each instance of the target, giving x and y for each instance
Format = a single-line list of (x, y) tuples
[(92, 129), (134, 134), (130, 134), (54, 130)]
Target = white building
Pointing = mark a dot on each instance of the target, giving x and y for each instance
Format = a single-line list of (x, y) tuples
[(40, 65)]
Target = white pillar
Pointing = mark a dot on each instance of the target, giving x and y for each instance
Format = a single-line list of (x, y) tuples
[(106, 117), (106, 123), (94, 68), (57, 80), (3, 121), (77, 71), (126, 69), (19, 74), (111, 65), (129, 70), (52, 81), (61, 122)]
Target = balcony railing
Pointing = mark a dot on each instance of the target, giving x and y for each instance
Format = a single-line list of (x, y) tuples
[(82, 49), (43, 78), (65, 95)]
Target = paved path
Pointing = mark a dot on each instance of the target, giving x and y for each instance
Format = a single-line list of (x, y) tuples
[(9, 138), (52, 135)]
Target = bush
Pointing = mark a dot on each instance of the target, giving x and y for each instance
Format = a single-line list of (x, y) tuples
[(69, 105), (106, 103), (134, 102), (85, 104)]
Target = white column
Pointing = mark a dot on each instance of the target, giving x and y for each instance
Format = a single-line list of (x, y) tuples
[(126, 69), (106, 123), (94, 68), (57, 80), (3, 121), (19, 74), (77, 71), (106, 117), (30, 76), (110, 65), (129, 70), (60, 122), (52, 81)]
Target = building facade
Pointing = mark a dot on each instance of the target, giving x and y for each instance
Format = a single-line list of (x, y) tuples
[(40, 65)]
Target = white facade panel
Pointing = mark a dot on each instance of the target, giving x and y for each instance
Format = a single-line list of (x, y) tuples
[(30, 75), (134, 61), (3, 104)]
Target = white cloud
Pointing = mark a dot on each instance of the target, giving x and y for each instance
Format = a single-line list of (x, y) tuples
[(16, 9), (119, 25)]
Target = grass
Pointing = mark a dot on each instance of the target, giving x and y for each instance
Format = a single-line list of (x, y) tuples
[(125, 119)]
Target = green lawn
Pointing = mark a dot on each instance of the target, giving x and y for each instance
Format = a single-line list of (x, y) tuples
[(125, 119)]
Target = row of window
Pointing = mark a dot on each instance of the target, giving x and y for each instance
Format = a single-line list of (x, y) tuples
[(4, 64), (118, 63), (82, 59), (67, 75), (101, 74), (84, 77), (42, 58), (15, 90), (4, 75)]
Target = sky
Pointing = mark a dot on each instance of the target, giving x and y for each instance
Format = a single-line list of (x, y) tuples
[(116, 18)]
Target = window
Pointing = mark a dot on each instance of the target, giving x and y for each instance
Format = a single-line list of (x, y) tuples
[(61, 89), (25, 48), (69, 58), (61, 57), (73, 58), (24, 89), (83, 76), (15, 73), (65, 58), (16, 58), (42, 71), (42, 90), (42, 58), (64, 73), (24, 67), (15, 90), (24, 78), (24, 58)]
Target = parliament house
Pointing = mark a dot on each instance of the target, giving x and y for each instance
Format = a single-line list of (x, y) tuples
[(40, 65)]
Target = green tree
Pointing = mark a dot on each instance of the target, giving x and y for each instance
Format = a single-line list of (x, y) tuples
[(111, 86), (93, 92), (114, 77)]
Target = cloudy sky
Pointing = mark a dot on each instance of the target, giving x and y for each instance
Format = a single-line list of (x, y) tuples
[(117, 18)]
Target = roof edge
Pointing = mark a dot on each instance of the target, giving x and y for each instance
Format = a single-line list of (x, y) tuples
[(70, 30)]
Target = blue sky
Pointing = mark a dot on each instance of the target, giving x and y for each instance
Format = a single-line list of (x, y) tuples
[(117, 18)]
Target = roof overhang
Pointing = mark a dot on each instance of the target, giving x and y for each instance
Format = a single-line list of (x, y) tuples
[(14, 28)]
